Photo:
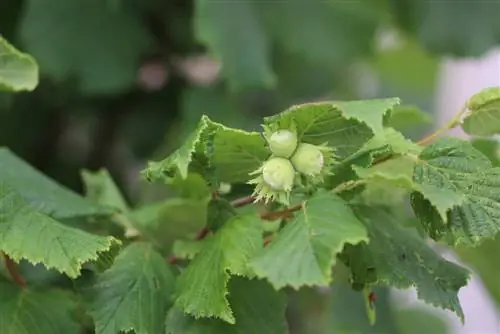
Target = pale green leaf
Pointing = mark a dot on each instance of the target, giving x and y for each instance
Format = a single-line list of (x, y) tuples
[(202, 287), (193, 151), (473, 188), (407, 117), (133, 294), (103, 53), (483, 114), (257, 307), (188, 249), (398, 257), (36, 237), (237, 153), (170, 219), (222, 26), (100, 188), (35, 311), (346, 126), (303, 253), (490, 147), (370, 112), (18, 70), (42, 193)]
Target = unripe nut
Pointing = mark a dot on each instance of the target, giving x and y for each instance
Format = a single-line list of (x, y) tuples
[(282, 143), (308, 159), (278, 174)]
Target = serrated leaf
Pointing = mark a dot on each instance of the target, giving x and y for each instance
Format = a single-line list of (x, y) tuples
[(36, 237), (407, 117), (219, 212), (27, 310), (346, 126), (257, 307), (489, 147), (164, 222), (192, 154), (303, 253), (455, 166), (101, 188), (18, 70), (62, 56), (370, 112), (393, 141), (42, 193), (483, 115), (237, 153), (134, 293), (188, 249), (202, 287), (222, 27), (399, 257)]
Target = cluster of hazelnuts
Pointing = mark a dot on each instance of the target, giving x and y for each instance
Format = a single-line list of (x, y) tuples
[(290, 161)]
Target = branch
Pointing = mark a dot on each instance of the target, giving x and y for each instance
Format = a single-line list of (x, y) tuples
[(13, 270), (239, 202), (454, 122)]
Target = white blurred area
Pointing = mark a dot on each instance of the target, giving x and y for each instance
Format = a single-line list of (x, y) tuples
[(458, 80)]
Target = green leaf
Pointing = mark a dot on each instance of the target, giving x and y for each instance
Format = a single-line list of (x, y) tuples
[(407, 117), (237, 153), (101, 189), (38, 238), (346, 126), (455, 166), (483, 114), (400, 258), (257, 307), (489, 147), (119, 35), (188, 249), (134, 294), (27, 310), (303, 253), (42, 193), (222, 26), (324, 41), (193, 151), (435, 25), (202, 287), (485, 260), (18, 70)]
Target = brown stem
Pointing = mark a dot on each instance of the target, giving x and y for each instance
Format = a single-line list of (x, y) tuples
[(13, 270), (286, 213), (239, 202)]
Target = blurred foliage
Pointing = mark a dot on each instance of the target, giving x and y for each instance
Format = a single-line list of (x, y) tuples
[(123, 81)]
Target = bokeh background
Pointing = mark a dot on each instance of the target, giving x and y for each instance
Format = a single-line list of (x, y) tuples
[(123, 81)]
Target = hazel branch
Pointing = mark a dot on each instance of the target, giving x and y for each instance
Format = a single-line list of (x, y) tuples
[(13, 270)]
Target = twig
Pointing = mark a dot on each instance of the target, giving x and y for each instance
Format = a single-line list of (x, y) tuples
[(239, 202), (13, 270), (286, 213), (448, 126)]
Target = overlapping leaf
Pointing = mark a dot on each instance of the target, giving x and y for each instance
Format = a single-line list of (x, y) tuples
[(101, 189), (399, 257), (467, 175), (303, 253), (18, 70), (40, 192), (134, 294), (483, 114), (202, 287), (35, 311), (344, 125), (38, 238), (222, 26), (237, 153), (257, 307), (69, 52)]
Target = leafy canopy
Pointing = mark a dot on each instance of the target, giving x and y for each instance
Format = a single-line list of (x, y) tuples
[(232, 260)]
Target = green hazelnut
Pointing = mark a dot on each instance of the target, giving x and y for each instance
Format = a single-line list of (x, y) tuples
[(278, 174), (282, 143), (308, 159)]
